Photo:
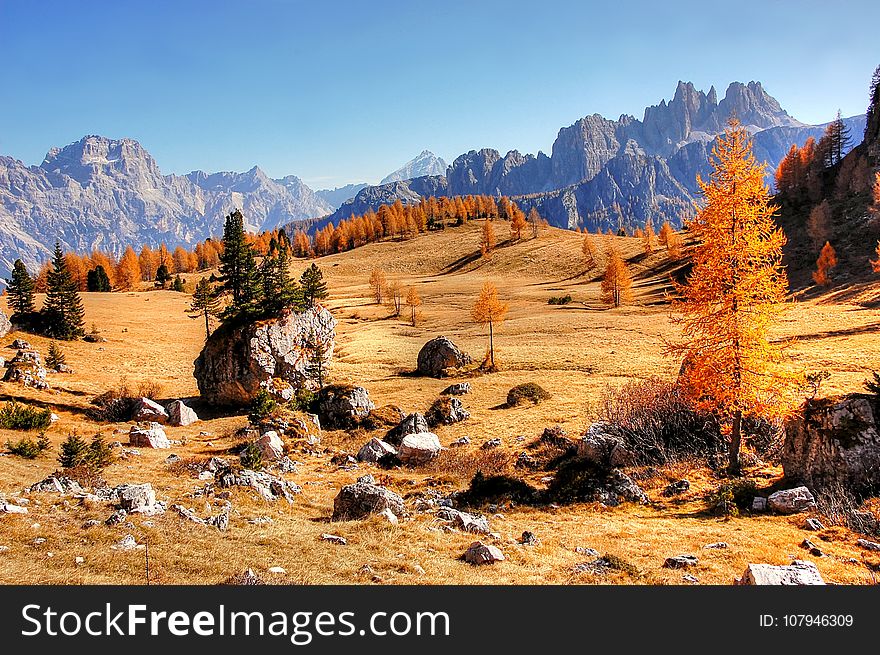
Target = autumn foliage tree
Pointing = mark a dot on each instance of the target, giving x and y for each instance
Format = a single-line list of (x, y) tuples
[(665, 231), (487, 240), (827, 261), (378, 282), (648, 237), (590, 252), (732, 296), (128, 272), (616, 281), (818, 224), (490, 310), (413, 301)]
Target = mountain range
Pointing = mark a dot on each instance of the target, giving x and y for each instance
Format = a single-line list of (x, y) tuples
[(109, 193)]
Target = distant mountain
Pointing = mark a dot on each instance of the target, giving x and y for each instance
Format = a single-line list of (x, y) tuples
[(109, 193), (427, 163), (335, 197), (604, 173)]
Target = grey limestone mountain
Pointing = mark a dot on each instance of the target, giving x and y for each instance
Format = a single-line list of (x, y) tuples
[(426, 163)]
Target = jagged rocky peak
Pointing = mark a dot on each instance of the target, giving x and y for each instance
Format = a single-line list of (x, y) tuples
[(426, 163), (97, 155)]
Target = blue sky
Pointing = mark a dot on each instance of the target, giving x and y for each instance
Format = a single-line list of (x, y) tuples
[(338, 92)]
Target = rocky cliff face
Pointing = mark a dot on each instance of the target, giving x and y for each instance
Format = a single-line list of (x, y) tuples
[(607, 173), (426, 163), (110, 193)]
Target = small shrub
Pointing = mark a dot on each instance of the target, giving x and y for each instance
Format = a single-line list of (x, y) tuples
[(14, 416), (304, 400), (251, 457), (731, 497), (262, 406), (55, 357), (497, 489), (529, 391), (116, 405), (100, 454), (29, 448), (559, 300), (77, 453), (462, 464), (620, 564)]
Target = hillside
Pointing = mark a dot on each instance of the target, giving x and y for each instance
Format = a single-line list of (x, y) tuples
[(574, 351)]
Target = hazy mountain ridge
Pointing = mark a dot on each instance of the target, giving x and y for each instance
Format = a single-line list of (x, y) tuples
[(424, 164)]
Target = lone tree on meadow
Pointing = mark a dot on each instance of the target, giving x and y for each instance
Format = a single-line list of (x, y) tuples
[(648, 237), (378, 282), (128, 273), (732, 296), (590, 252), (489, 310), (518, 223), (163, 276), (313, 287), (487, 240), (413, 301), (205, 303), (827, 260), (616, 281), (20, 288), (63, 314)]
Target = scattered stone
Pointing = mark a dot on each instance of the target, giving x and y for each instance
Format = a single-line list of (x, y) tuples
[(601, 447), (868, 545), (591, 552), (689, 578), (813, 524), (128, 542), (39, 541), (464, 521), (117, 517), (492, 443), (759, 504), (277, 570), (27, 368), (247, 578), (367, 479), (20, 344), (146, 410), (414, 423), (261, 520), (268, 486), (181, 414), (137, 498), (419, 449), (91, 523), (150, 435), (806, 544), (389, 516), (457, 389), (680, 562), (344, 460), (172, 458), (4, 549), (557, 437), (57, 484), (334, 539), (206, 475), (718, 545), (479, 553), (446, 411), (797, 573), (343, 406), (7, 508), (79, 560), (791, 501), (286, 465), (461, 441), (600, 566), (440, 357), (676, 488), (239, 360), (374, 450), (356, 501), (528, 539)]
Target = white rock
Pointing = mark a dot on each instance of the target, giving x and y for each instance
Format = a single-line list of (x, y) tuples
[(151, 436), (374, 450), (389, 516), (798, 573), (150, 411), (277, 570), (271, 446), (418, 449), (791, 501), (181, 414)]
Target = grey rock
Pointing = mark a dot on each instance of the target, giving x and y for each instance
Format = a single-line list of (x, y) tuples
[(117, 517), (27, 368), (868, 545), (759, 504), (414, 423), (676, 488), (5, 325), (680, 562), (237, 361), (271, 446), (359, 500), (602, 448), (718, 545), (457, 389), (834, 442), (149, 411), (464, 521), (8, 508), (136, 497), (446, 411), (181, 414), (150, 435), (461, 441), (491, 444), (343, 406), (57, 484), (334, 539), (419, 449), (268, 486), (791, 501), (479, 553), (528, 539), (374, 450), (813, 524), (797, 573), (439, 355)]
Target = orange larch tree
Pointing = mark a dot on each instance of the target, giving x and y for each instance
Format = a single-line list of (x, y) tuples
[(517, 224), (487, 241), (733, 294), (648, 237), (617, 281), (827, 260), (591, 255), (378, 282), (665, 231), (489, 310), (413, 300), (128, 272)]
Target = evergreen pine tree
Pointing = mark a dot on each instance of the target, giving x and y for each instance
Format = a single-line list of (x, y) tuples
[(279, 290), (63, 314), (55, 357), (313, 286), (316, 363), (238, 268), (97, 280), (163, 276), (177, 284), (20, 288), (205, 303)]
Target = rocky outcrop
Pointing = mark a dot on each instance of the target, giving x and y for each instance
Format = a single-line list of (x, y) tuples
[(343, 406), (374, 450), (419, 449), (834, 441), (180, 414), (239, 360), (797, 573), (27, 368), (602, 448), (359, 500), (446, 411), (439, 356), (148, 410), (791, 501), (5, 325), (148, 435), (414, 423)]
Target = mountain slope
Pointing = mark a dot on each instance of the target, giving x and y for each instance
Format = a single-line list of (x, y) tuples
[(335, 197), (109, 193), (426, 163)]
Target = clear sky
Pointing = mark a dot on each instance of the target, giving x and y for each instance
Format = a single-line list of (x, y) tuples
[(338, 92)]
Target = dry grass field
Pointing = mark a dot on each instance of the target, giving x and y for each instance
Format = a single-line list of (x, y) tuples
[(574, 351)]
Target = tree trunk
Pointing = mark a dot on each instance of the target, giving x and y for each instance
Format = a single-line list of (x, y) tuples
[(207, 326), (491, 346), (733, 464)]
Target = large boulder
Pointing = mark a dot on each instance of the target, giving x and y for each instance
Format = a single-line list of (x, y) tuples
[(440, 354), (240, 359), (271, 446), (5, 325), (181, 414), (791, 501), (359, 500), (343, 406), (418, 449), (834, 442), (148, 410), (374, 450), (797, 573), (414, 423), (27, 368), (446, 411), (603, 448)]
